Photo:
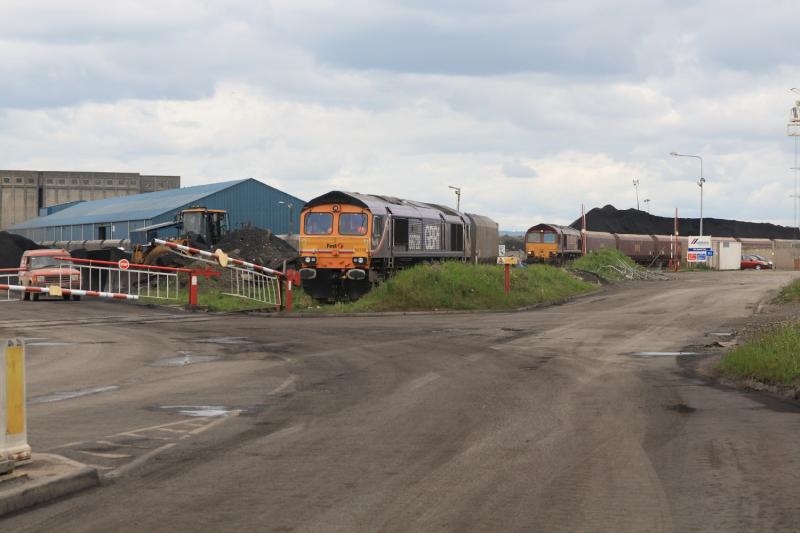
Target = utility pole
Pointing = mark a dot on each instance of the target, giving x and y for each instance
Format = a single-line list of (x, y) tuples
[(636, 190), (700, 183), (647, 203), (458, 197), (793, 130)]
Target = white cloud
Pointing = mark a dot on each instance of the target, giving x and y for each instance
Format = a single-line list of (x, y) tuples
[(405, 98)]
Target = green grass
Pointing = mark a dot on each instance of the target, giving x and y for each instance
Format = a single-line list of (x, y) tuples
[(463, 286), (773, 356), (600, 261), (211, 298), (790, 293)]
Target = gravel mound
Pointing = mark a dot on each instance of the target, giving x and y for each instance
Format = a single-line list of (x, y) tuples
[(11, 248), (258, 246), (612, 220)]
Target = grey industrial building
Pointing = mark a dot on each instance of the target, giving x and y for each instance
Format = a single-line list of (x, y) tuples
[(24, 193), (248, 202)]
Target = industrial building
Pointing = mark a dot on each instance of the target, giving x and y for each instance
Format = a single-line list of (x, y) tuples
[(248, 203), (24, 193)]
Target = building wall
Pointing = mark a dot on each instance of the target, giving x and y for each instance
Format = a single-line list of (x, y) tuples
[(24, 192)]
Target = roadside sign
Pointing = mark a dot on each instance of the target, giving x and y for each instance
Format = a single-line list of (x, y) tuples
[(501, 250), (699, 249), (124, 264), (507, 260)]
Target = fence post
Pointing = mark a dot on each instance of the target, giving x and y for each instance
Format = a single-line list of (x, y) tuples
[(13, 427), (507, 284), (192, 288)]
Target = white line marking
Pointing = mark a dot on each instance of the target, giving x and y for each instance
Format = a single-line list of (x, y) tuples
[(423, 380), (172, 430), (214, 423), (288, 381), (139, 461), (105, 455)]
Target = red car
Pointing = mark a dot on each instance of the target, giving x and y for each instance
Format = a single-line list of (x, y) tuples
[(756, 262)]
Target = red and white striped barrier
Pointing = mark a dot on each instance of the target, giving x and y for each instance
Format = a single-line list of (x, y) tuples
[(69, 292), (220, 258)]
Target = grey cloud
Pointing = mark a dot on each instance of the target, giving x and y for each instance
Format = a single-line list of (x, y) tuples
[(516, 169)]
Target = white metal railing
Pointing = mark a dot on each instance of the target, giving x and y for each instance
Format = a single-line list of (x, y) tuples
[(252, 285), (246, 280), (9, 278), (107, 276)]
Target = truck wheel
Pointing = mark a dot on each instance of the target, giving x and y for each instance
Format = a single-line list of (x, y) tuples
[(35, 296), (76, 298), (65, 297), (26, 296)]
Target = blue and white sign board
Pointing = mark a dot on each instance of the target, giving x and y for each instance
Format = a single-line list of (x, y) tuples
[(699, 249)]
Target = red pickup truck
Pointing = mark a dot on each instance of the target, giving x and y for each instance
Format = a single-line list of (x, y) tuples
[(40, 268)]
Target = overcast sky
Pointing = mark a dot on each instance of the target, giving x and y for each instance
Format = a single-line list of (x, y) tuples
[(532, 107)]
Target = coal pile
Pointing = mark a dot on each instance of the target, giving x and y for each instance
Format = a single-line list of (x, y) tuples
[(258, 246), (611, 220), (11, 249)]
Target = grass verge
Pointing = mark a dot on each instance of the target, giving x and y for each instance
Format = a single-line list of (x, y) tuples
[(212, 298), (604, 263), (790, 293), (772, 356), (461, 286)]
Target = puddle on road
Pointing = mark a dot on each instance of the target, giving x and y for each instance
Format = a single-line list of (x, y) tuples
[(70, 395), (722, 334), (664, 354), (224, 340), (184, 360), (203, 411), (681, 408)]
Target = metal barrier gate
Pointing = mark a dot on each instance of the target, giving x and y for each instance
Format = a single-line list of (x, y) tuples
[(119, 277), (9, 276), (245, 280)]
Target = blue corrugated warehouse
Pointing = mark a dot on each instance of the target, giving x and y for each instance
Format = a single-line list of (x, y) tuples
[(248, 202)]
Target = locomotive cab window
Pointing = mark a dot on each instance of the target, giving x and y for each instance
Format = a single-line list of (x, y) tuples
[(319, 223), (377, 230), (352, 224), (549, 238), (534, 237)]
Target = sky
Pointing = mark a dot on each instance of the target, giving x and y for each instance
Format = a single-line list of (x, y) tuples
[(531, 107)]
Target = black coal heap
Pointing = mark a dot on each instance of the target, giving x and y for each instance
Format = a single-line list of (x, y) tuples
[(612, 220)]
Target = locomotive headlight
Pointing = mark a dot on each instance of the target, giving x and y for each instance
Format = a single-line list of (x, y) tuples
[(309, 260), (360, 260)]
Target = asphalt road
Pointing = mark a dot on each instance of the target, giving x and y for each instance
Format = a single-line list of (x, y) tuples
[(532, 421)]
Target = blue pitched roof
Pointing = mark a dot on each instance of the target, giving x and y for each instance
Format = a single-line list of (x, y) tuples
[(135, 207)]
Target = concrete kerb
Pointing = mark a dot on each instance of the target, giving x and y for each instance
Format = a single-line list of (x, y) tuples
[(48, 477)]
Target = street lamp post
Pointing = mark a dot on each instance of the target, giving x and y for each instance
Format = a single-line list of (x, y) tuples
[(636, 190), (647, 203), (291, 213), (458, 196), (700, 183)]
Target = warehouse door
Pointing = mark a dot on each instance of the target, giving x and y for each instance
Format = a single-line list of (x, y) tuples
[(103, 232)]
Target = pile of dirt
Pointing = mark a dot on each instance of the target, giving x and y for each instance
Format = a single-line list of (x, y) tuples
[(611, 220), (11, 248), (258, 246)]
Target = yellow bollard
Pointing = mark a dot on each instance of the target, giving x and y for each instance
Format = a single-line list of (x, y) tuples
[(13, 426)]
